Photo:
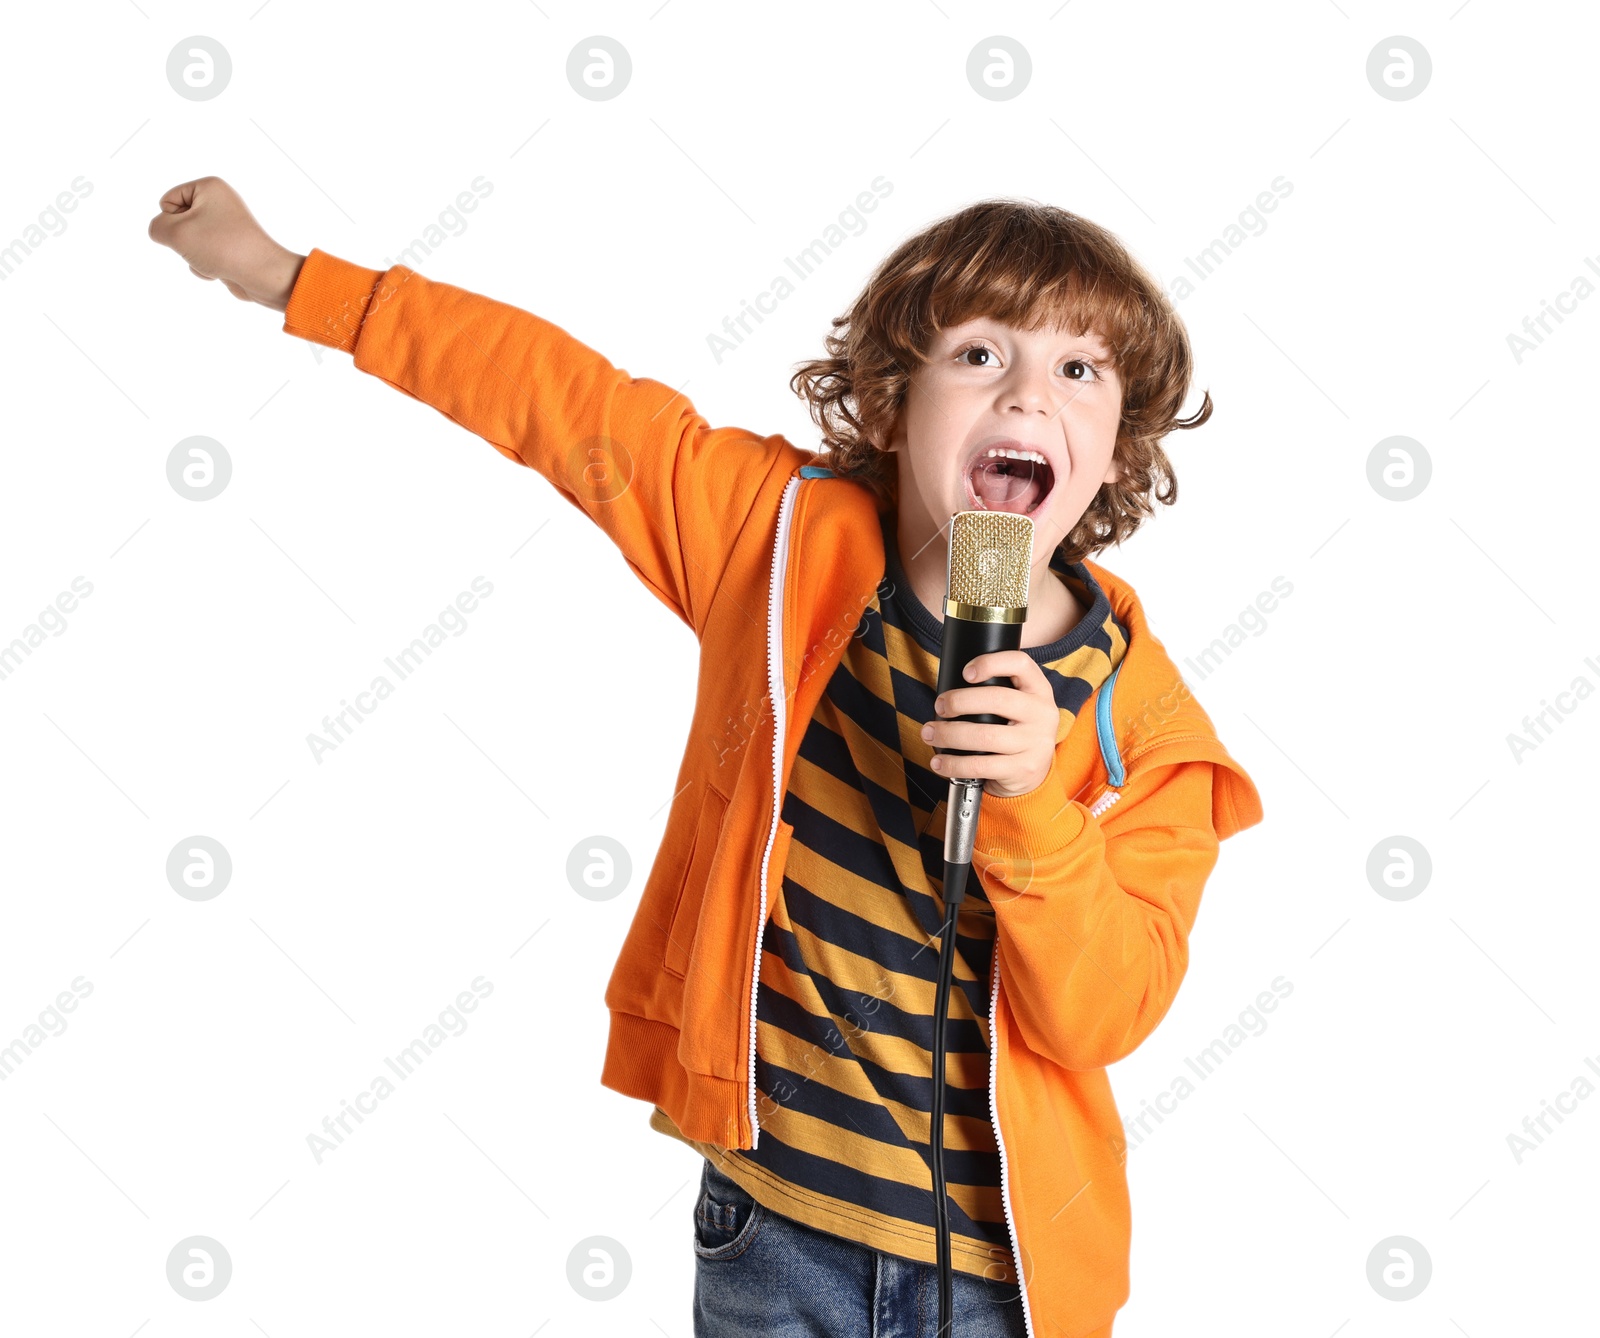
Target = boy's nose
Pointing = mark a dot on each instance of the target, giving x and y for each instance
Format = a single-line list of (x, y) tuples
[(1030, 391)]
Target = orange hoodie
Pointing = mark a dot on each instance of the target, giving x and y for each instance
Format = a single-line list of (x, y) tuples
[(1094, 876)]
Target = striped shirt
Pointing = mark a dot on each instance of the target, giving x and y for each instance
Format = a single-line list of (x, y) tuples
[(844, 1009)]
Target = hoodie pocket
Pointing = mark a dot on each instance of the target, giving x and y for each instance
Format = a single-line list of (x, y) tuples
[(686, 915)]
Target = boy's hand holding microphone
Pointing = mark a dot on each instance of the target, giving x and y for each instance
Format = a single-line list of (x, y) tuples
[(207, 224)]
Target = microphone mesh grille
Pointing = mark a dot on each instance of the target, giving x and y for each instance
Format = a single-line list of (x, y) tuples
[(990, 554)]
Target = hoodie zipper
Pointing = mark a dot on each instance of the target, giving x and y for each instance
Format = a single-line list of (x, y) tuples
[(775, 693), (1104, 802), (1000, 1142)]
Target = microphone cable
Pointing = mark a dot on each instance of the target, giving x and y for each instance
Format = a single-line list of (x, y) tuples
[(965, 796)]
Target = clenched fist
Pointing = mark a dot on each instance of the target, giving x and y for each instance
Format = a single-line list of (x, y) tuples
[(207, 224)]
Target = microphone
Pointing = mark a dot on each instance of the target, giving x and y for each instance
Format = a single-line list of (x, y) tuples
[(985, 605)]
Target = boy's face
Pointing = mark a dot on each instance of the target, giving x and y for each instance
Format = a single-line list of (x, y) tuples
[(985, 385)]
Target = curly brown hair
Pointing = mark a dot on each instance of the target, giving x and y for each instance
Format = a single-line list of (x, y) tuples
[(1025, 264)]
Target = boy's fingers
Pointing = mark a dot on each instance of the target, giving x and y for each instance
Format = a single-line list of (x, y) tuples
[(990, 664), (175, 206), (976, 701), (998, 740), (980, 766), (167, 228), (180, 197), (1014, 664)]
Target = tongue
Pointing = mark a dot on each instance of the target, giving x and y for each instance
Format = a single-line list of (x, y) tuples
[(999, 490)]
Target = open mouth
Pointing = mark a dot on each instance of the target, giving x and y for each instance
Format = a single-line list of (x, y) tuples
[(1006, 478)]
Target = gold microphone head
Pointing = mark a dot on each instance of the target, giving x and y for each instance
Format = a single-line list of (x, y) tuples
[(991, 553)]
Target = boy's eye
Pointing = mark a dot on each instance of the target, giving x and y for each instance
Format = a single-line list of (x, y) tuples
[(1090, 373)]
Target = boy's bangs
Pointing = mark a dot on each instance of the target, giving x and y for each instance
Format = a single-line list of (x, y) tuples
[(1076, 295)]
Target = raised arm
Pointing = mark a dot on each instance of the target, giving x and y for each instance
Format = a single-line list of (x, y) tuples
[(671, 492)]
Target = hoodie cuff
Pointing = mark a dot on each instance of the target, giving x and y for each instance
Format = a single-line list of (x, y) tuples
[(330, 300), (1033, 825)]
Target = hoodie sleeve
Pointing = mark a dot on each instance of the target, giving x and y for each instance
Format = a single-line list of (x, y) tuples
[(1093, 913), (632, 454)]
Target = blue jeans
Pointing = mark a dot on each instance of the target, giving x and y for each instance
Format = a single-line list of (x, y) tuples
[(758, 1272)]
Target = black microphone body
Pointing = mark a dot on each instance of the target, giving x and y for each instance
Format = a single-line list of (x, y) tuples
[(962, 641)]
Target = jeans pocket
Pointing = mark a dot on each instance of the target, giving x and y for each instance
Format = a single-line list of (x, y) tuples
[(726, 1218)]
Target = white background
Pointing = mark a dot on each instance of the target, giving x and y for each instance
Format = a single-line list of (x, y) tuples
[(370, 889)]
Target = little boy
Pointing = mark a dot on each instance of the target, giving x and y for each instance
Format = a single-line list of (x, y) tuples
[(773, 997)]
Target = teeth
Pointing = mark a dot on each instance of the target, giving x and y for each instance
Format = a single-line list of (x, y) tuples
[(1015, 455)]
